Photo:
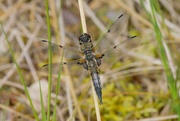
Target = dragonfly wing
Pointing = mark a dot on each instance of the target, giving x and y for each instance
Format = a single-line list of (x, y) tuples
[(69, 52), (112, 34), (117, 52), (74, 66)]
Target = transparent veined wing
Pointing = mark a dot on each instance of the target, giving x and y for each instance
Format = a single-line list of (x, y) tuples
[(118, 51), (75, 66), (69, 52), (112, 34)]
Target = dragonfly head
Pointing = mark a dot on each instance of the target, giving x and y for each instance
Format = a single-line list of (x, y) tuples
[(84, 38)]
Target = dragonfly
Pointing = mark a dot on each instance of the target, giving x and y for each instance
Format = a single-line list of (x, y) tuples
[(92, 56)]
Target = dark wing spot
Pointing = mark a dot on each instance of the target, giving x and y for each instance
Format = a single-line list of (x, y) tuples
[(60, 46), (44, 40), (115, 47), (65, 63), (45, 65), (133, 37), (120, 16), (109, 30), (78, 62)]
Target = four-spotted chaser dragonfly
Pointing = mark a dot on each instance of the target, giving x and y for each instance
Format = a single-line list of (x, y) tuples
[(92, 56)]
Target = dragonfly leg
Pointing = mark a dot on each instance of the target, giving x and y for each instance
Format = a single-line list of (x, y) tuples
[(85, 65), (98, 58), (98, 61)]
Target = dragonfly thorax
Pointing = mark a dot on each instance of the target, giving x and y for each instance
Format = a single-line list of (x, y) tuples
[(86, 47), (89, 55)]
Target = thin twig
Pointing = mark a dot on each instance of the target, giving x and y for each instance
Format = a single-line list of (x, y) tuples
[(16, 113), (27, 57), (83, 21), (28, 45)]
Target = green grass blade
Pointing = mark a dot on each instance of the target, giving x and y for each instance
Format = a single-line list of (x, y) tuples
[(49, 60), (20, 75), (59, 75), (42, 103), (57, 90), (171, 81), (4, 113)]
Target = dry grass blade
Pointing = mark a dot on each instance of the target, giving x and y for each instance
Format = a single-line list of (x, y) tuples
[(83, 20), (135, 85), (25, 117)]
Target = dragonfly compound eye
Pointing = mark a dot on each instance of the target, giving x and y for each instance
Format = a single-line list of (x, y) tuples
[(84, 38)]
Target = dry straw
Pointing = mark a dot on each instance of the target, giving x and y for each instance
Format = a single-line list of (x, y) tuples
[(83, 21)]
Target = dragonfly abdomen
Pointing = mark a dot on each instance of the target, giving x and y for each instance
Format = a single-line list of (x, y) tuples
[(97, 85)]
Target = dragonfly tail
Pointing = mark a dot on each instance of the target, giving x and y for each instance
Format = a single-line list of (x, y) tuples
[(99, 94), (101, 102)]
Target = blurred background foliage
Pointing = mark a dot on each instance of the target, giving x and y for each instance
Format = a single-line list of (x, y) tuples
[(135, 88)]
